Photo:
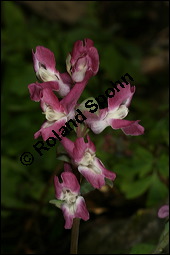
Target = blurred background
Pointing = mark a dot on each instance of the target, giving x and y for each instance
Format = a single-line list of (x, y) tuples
[(131, 37)]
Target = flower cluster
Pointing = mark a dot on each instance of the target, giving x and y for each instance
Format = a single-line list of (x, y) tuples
[(58, 94)]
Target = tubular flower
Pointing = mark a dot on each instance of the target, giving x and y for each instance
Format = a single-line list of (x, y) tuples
[(114, 114), (44, 66), (83, 59), (57, 112), (83, 156), (73, 205)]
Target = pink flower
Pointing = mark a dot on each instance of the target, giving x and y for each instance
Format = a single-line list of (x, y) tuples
[(163, 211), (83, 156), (83, 59), (36, 89), (73, 205), (57, 112), (114, 114), (44, 66)]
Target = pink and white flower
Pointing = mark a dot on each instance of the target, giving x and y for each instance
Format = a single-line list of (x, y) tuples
[(115, 113), (57, 112), (83, 59), (44, 66), (73, 205), (84, 158)]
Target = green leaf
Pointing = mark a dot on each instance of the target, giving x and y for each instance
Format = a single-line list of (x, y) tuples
[(137, 188), (12, 14), (143, 161), (56, 202), (157, 192), (142, 248), (86, 187), (163, 165)]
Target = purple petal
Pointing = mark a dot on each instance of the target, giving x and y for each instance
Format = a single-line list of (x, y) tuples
[(66, 78), (163, 211), (68, 216), (97, 126), (97, 123), (123, 96), (127, 126), (46, 132), (36, 88), (91, 145), (68, 145), (45, 57), (95, 179), (88, 43), (72, 97), (79, 149), (79, 75), (70, 182), (64, 84), (58, 188), (108, 174), (35, 91), (81, 211), (93, 54), (78, 49), (94, 117), (50, 98)]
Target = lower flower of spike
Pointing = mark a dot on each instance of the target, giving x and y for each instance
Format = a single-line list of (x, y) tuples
[(72, 204)]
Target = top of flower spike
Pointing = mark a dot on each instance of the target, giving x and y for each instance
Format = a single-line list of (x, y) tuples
[(83, 59)]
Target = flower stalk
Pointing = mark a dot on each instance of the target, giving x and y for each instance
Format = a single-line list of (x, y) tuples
[(74, 236)]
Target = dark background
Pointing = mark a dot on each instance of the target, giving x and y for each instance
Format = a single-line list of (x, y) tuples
[(131, 37)]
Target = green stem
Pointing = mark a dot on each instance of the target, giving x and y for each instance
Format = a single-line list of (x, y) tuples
[(74, 236), (162, 244), (76, 221)]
